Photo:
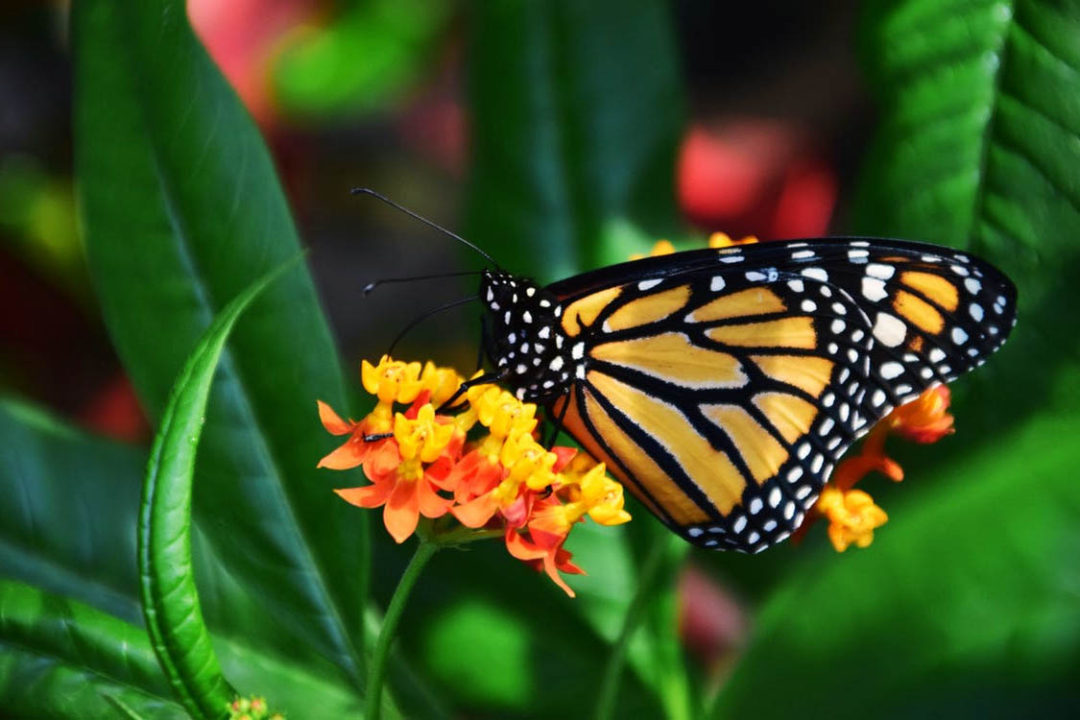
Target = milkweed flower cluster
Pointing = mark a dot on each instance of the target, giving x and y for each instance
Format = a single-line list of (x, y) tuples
[(851, 513), (482, 466)]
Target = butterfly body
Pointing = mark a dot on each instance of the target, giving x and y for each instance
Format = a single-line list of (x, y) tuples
[(721, 386)]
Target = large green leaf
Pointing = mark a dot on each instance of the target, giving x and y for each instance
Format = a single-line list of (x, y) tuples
[(979, 147), (62, 659), (181, 211), (965, 604), (68, 509), (171, 605), (576, 111)]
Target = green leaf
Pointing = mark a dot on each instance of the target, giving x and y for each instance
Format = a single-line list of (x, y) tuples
[(62, 659), (167, 579), (68, 508), (576, 112), (966, 600), (979, 147), (181, 211), (472, 608), (631, 589)]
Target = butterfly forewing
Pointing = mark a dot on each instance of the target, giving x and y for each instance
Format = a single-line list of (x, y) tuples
[(722, 386)]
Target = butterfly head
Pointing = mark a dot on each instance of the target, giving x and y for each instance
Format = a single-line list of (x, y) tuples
[(524, 337)]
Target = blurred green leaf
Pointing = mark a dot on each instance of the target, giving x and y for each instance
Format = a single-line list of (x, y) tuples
[(38, 213), (181, 211), (528, 651), (62, 659), (576, 112), (966, 602), (367, 56), (632, 588), (170, 600)]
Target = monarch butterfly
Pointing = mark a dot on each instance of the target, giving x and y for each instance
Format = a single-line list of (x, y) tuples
[(721, 386)]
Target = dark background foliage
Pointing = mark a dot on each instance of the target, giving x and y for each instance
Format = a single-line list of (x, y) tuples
[(138, 197)]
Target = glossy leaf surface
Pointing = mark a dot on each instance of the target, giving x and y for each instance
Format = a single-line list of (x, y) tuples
[(167, 579), (182, 210)]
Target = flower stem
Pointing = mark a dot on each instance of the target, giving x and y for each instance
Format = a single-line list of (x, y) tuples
[(377, 671), (609, 686)]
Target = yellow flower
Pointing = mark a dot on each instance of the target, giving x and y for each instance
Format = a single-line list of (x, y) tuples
[(528, 461), (662, 247), (722, 240), (423, 437), (603, 497), (392, 380), (852, 515), (442, 382), (501, 412)]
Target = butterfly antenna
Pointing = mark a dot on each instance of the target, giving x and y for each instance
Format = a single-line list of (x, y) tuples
[(386, 281), (421, 218), (425, 316)]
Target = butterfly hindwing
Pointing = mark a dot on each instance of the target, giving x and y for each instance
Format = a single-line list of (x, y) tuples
[(727, 412)]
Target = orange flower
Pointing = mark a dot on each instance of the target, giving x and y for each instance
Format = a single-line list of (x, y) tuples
[(420, 464), (403, 499), (356, 451), (924, 419), (544, 550), (852, 514)]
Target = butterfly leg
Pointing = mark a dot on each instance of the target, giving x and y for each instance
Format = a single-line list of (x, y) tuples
[(483, 336), (485, 379), (556, 425)]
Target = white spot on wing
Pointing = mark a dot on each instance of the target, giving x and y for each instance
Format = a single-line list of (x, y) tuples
[(880, 271), (891, 370), (873, 289), (889, 330)]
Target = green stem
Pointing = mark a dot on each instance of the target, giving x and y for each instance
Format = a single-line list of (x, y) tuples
[(609, 686), (387, 632)]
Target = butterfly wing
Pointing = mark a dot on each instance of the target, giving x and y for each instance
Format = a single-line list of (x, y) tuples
[(722, 386)]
